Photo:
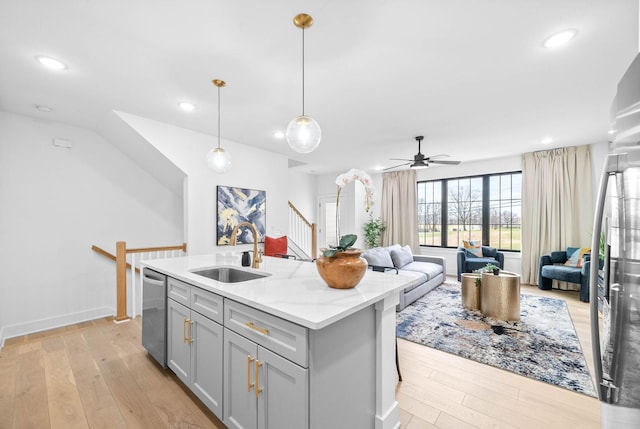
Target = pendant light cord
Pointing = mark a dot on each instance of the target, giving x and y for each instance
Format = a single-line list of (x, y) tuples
[(302, 71), (218, 117)]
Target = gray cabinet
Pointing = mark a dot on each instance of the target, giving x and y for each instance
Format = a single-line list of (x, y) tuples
[(266, 375), (262, 389), (194, 342), (255, 370)]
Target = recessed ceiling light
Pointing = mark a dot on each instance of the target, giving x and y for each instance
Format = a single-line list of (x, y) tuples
[(43, 108), (546, 140), (612, 131), (378, 168), (51, 63), (187, 107), (560, 38), (278, 134)]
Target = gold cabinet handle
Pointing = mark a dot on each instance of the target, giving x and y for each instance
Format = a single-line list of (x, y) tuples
[(258, 388), (184, 330), (249, 383), (190, 339), (263, 331)]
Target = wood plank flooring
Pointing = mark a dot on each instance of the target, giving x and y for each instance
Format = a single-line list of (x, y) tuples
[(97, 375), (440, 390)]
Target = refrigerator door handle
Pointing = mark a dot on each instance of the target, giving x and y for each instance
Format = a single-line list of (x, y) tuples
[(611, 166)]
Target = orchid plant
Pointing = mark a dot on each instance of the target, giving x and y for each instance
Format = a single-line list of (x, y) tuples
[(343, 180)]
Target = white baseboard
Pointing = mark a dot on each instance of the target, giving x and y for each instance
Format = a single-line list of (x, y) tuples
[(53, 322)]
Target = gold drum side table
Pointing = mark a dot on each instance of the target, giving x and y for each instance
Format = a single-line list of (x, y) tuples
[(500, 295), (470, 291)]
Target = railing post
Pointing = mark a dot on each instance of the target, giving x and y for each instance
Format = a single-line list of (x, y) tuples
[(121, 281), (314, 242)]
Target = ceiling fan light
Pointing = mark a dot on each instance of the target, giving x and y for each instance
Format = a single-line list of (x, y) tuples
[(219, 160), (303, 134), (419, 165)]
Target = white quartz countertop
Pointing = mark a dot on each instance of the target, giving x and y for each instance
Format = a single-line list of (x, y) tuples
[(293, 291)]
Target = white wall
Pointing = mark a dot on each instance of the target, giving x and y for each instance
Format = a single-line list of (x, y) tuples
[(302, 191), (251, 168), (56, 204)]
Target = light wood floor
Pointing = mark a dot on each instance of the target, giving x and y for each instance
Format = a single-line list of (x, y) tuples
[(97, 375)]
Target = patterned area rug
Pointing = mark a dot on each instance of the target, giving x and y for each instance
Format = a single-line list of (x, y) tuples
[(543, 345)]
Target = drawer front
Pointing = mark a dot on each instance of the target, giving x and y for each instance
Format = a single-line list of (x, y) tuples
[(207, 303), (178, 291), (278, 335)]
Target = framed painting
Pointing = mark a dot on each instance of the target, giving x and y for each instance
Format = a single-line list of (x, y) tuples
[(236, 205)]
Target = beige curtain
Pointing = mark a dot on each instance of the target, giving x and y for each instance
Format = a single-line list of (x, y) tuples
[(557, 205), (399, 209)]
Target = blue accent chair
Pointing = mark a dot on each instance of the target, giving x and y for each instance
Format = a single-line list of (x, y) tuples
[(552, 268), (468, 263)]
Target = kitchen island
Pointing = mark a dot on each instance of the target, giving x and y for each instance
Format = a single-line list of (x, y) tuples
[(284, 350)]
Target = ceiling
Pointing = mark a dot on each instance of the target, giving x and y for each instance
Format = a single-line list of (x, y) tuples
[(471, 76)]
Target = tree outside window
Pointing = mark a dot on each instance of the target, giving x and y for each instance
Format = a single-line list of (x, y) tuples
[(481, 208)]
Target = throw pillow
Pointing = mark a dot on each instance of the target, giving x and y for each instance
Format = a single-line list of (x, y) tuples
[(490, 252), (474, 247), (378, 256), (275, 246), (402, 256), (469, 254), (575, 260)]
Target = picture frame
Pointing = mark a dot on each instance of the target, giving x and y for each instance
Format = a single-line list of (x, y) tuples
[(236, 205)]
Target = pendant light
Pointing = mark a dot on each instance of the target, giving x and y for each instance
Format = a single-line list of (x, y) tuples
[(218, 159), (303, 133)]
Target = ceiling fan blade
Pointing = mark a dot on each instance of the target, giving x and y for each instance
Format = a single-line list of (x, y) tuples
[(400, 159), (440, 155), (396, 166), (444, 162)]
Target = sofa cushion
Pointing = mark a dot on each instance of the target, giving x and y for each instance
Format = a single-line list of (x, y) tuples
[(562, 273), (477, 263), (402, 256), (378, 256), (430, 269), (575, 258), (418, 279), (474, 247)]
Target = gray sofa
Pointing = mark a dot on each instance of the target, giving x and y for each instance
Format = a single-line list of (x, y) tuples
[(427, 272)]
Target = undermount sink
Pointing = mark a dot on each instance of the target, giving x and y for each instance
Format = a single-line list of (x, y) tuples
[(229, 275)]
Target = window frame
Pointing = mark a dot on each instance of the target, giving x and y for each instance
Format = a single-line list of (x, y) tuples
[(486, 208)]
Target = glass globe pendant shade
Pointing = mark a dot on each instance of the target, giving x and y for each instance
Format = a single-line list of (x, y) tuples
[(219, 160), (303, 134)]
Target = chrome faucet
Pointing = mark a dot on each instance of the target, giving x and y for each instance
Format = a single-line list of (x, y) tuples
[(256, 256)]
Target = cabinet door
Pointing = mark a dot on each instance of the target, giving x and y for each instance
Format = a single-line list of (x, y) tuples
[(284, 400), (240, 403), (206, 362), (178, 347)]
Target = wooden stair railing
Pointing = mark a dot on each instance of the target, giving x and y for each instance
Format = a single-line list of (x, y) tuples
[(302, 232), (121, 270), (110, 256)]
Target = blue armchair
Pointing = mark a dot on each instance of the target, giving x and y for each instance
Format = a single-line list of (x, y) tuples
[(552, 268), (467, 263)]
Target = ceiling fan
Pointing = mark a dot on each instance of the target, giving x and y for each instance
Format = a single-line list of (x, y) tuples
[(421, 161)]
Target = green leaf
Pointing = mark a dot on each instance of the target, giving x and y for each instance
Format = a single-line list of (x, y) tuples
[(347, 241), (330, 252)]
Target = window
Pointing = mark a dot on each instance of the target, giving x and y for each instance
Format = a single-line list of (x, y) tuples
[(484, 208)]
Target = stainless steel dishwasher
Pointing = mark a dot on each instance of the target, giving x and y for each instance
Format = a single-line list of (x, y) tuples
[(154, 315)]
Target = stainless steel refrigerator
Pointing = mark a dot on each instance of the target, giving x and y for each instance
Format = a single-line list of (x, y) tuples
[(615, 282)]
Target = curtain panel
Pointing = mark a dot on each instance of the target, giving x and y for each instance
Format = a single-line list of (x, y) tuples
[(557, 205), (399, 209)]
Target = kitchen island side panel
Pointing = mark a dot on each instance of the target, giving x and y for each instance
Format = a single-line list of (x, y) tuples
[(343, 373)]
